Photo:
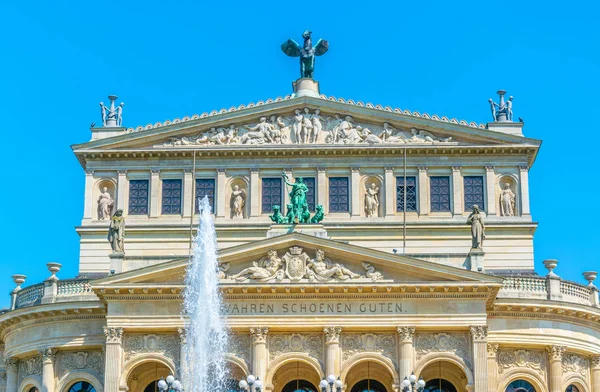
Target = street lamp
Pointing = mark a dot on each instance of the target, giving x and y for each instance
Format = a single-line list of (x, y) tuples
[(170, 384), (250, 384), (331, 381), (409, 383)]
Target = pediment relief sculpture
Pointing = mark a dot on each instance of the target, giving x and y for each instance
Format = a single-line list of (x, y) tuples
[(296, 265), (307, 127)]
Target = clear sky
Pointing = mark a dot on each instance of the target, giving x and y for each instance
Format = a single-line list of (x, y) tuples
[(171, 59)]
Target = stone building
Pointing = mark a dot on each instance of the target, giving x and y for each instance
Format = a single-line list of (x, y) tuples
[(392, 281)]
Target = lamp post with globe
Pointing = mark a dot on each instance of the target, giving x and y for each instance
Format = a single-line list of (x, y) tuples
[(250, 384), (409, 383), (170, 385), (330, 381)]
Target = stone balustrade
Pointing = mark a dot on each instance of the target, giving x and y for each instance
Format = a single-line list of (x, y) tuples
[(67, 290)]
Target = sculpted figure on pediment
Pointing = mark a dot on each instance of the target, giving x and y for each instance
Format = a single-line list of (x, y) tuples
[(264, 270), (422, 136), (320, 268)]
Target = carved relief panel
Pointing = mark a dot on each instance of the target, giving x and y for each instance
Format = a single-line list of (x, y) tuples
[(311, 344), (575, 364), (165, 344), (31, 366), (80, 360), (383, 344), (531, 359), (240, 346), (455, 343)]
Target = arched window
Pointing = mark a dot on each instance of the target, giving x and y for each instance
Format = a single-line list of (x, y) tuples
[(82, 386), (299, 386), (520, 386), (439, 385), (33, 389), (368, 386), (572, 388)]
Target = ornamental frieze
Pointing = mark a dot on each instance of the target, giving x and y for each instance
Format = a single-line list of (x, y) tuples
[(30, 366), (165, 344), (311, 344), (240, 346), (508, 359), (572, 363), (355, 343), (456, 343), (307, 126), (80, 360)]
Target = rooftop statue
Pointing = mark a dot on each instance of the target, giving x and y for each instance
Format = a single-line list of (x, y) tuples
[(306, 52), (112, 116), (501, 112), (297, 210)]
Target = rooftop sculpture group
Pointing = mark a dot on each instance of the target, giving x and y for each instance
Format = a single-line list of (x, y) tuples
[(502, 112), (297, 209), (112, 116)]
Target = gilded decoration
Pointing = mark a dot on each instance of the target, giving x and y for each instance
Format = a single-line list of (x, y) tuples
[(30, 366), (240, 346), (456, 343), (508, 359), (165, 344), (573, 363), (311, 344), (80, 360), (355, 343)]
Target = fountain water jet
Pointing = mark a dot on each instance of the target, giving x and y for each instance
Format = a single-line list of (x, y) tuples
[(206, 335)]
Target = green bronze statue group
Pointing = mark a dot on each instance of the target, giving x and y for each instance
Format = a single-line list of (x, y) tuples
[(297, 210)]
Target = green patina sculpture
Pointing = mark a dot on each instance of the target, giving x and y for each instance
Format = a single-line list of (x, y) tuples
[(307, 53), (297, 211)]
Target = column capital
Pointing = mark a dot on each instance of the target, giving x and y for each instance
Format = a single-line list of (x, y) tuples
[(456, 168), (155, 171), (11, 363), (89, 172), (182, 335), (259, 334), (523, 167), (48, 354), (490, 168), (254, 170), (113, 335), (187, 170), (406, 334), (355, 169), (389, 168), (555, 353), (422, 168), (221, 170), (122, 172), (595, 361), (332, 334), (321, 169), (479, 333), (492, 349)]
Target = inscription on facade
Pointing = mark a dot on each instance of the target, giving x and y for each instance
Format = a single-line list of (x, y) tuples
[(314, 307)]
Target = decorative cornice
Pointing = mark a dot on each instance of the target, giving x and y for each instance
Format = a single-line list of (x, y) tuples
[(259, 334), (48, 354), (479, 333), (406, 334), (555, 353), (113, 335), (332, 334)]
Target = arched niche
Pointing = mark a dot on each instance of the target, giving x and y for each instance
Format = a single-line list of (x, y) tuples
[(446, 366), (143, 369), (98, 190), (242, 184), (365, 186), (512, 182), (363, 367)]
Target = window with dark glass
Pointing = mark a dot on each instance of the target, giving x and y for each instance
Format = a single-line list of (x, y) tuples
[(205, 187), (368, 386), (310, 195), (138, 197), (339, 194), (82, 386), (299, 386), (271, 194), (411, 194), (474, 192), (171, 197), (439, 385), (439, 193), (572, 388), (520, 386)]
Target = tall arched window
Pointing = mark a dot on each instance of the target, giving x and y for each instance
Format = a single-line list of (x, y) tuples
[(33, 389), (82, 386), (520, 386), (572, 388), (368, 386), (439, 385), (299, 386)]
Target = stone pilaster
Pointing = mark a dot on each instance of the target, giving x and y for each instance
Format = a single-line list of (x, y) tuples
[(424, 206), (355, 208), (183, 361), (595, 365), (259, 351), (492, 351), (457, 191), (524, 187), (89, 189), (334, 353), (406, 351), (390, 192), (48, 356), (12, 366), (322, 188), (555, 354), (490, 187), (480, 357), (254, 192), (155, 190), (121, 189), (188, 193), (220, 194), (113, 353)]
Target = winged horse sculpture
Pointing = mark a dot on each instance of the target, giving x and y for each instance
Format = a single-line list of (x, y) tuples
[(307, 53)]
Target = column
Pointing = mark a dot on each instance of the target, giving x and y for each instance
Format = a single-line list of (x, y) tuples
[(390, 191), (12, 366), (48, 355), (254, 193), (154, 192), (183, 368), (480, 361), (112, 360), (423, 191), (355, 193), (555, 354), (490, 186), (492, 351), (188, 190), (322, 188), (121, 189), (595, 364), (333, 353), (220, 194), (89, 188), (259, 351), (524, 182), (406, 351), (457, 191)]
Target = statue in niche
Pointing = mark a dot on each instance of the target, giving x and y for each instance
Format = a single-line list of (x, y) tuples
[(105, 204), (372, 200), (297, 126), (475, 219), (317, 125), (264, 270), (116, 232), (507, 201), (307, 127), (319, 269), (237, 202)]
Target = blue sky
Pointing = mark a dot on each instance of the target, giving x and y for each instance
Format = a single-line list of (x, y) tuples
[(171, 59)]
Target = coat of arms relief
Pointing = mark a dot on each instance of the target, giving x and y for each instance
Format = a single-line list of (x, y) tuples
[(296, 265)]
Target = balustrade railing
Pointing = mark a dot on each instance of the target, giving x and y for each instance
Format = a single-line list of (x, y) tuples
[(573, 292), (30, 296), (66, 290)]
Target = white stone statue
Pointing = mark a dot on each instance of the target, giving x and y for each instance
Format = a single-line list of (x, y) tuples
[(237, 202), (388, 132), (119, 114), (422, 136), (319, 268), (509, 112), (116, 232), (507, 201), (475, 219), (258, 134), (264, 270), (372, 201), (105, 204), (277, 131), (317, 125), (297, 126), (112, 116), (307, 127)]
